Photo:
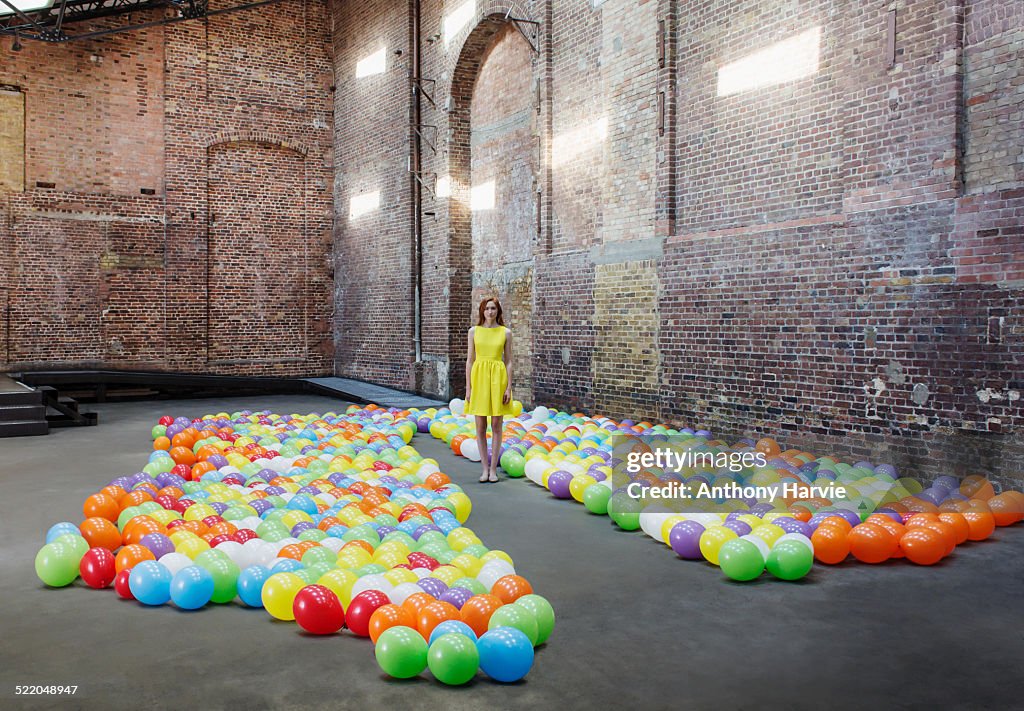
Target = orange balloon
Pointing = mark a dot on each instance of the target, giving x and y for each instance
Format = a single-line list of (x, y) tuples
[(437, 480), (921, 519), (897, 530), (387, 616), (947, 532), (768, 447), (414, 603), (161, 443), (923, 545), (328, 522), (101, 533), (830, 544), (800, 513), (457, 441), (101, 505), (132, 555), (478, 610), (980, 523), (870, 543), (837, 522), (977, 487), (954, 506), (510, 588), (359, 544), (134, 498), (1006, 509), (292, 550), (183, 455), (959, 524), (138, 527), (434, 613)]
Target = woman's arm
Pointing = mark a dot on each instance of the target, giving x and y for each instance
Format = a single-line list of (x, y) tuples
[(507, 357), (470, 357)]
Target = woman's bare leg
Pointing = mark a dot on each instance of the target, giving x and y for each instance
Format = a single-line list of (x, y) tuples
[(481, 440), (496, 434)]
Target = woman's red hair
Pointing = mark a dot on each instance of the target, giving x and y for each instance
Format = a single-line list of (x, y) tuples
[(480, 311)]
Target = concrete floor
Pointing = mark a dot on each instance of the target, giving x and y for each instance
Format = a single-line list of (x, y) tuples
[(636, 628)]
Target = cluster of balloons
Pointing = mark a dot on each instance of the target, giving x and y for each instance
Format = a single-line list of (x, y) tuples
[(573, 456), (331, 520)]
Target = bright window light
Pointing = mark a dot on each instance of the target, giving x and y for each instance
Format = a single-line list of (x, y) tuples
[(569, 144), (457, 19), (25, 6), (793, 58), (481, 197), (359, 205), (444, 186), (376, 63)]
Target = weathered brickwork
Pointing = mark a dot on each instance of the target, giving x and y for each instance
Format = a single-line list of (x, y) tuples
[(177, 206)]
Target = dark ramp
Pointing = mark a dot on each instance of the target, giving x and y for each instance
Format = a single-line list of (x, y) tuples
[(636, 629)]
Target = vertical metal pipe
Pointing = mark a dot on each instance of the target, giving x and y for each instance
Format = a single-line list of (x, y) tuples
[(417, 190)]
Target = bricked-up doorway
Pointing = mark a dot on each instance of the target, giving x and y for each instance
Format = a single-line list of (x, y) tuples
[(494, 168), (257, 257)]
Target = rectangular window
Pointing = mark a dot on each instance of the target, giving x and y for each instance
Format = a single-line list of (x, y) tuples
[(12, 140)]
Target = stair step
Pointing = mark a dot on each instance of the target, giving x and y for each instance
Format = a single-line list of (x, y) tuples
[(23, 428), (22, 413), (26, 397), (91, 418)]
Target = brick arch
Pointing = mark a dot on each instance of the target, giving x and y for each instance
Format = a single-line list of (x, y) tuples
[(471, 54), (265, 137)]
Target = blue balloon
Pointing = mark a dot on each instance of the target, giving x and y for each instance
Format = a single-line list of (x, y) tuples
[(505, 653), (286, 565), (150, 582), (191, 587), (250, 584), (61, 529), (453, 626)]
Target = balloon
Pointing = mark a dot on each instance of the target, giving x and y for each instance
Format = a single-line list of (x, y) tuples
[(97, 568), (279, 593), (191, 587), (505, 654), (477, 611), (830, 544), (510, 588), (452, 627), (250, 584), (453, 659), (362, 608), (387, 616), (434, 613), (401, 652), (923, 545), (542, 612), (684, 539), (317, 610), (790, 559), (981, 525), (712, 540), (121, 584), (150, 583), (518, 617), (101, 533), (741, 560), (870, 543)]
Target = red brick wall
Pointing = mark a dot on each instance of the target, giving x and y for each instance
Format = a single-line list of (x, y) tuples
[(228, 121)]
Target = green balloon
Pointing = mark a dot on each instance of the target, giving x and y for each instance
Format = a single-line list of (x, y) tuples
[(740, 560), (225, 579), (446, 556), (471, 584), (308, 575), (543, 614), (319, 555), (453, 658), (790, 560), (312, 534), (57, 565), (624, 511), (518, 617), (73, 542), (595, 498), (513, 463), (158, 431), (401, 652)]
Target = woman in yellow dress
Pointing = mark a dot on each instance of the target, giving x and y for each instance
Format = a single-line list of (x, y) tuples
[(489, 381)]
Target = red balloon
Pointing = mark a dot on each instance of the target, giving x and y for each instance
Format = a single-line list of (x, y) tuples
[(166, 420), (244, 534), (97, 568), (363, 605), (121, 584), (318, 610), (222, 538)]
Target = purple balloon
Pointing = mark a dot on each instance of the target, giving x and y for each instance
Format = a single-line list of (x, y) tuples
[(685, 539), (219, 507), (218, 461), (792, 525), (850, 516), (433, 586), (159, 544), (739, 527), (261, 506), (456, 596), (558, 483), (300, 527)]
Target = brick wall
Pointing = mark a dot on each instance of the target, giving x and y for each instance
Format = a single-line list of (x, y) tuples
[(222, 265)]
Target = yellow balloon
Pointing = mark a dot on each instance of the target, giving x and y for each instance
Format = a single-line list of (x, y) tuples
[(447, 574), (666, 527), (340, 582), (179, 536), (751, 520), (463, 506), (712, 540), (579, 484), (468, 564), (192, 547), (165, 516), (279, 593), (197, 512), (769, 533), (397, 576), (496, 555), (354, 557)]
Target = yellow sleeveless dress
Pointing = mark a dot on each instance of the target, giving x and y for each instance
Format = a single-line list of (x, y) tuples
[(488, 377)]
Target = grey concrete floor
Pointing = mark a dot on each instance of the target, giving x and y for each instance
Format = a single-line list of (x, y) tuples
[(636, 627)]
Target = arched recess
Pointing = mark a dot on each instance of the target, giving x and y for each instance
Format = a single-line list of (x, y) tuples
[(494, 155), (257, 254)]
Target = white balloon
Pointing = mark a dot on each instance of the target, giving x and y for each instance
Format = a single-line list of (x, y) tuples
[(457, 406), (233, 549), (278, 545), (535, 469), (761, 544), (402, 591), (372, 582), (798, 537), (332, 544), (499, 568), (175, 562), (651, 523), (470, 449), (287, 496), (421, 573)]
